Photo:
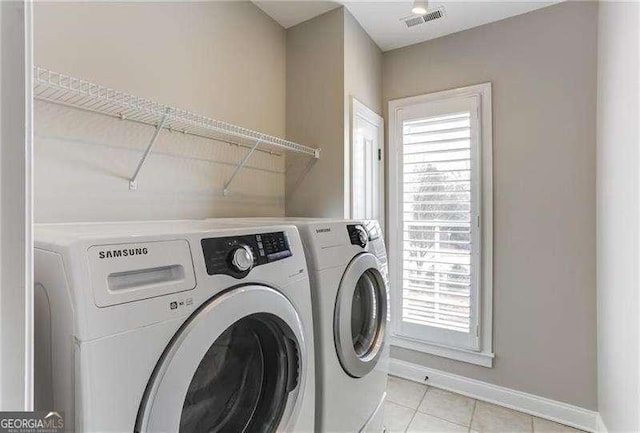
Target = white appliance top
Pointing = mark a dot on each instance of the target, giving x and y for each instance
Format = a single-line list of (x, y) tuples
[(68, 232)]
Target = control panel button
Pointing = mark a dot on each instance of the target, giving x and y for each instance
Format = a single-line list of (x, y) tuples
[(362, 236), (242, 258)]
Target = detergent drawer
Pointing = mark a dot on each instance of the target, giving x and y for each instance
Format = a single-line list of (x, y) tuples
[(130, 272)]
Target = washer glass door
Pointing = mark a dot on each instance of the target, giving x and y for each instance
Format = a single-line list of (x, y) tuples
[(237, 365), (360, 316), (243, 380)]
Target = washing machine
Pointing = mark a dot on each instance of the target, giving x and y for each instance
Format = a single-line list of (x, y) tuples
[(176, 326), (347, 261)]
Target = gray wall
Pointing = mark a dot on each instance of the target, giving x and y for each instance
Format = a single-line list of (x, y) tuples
[(542, 66), (619, 216), (362, 65), (362, 80), (330, 58), (221, 59), (315, 113)]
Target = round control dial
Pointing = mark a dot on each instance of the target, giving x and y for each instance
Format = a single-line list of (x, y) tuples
[(363, 237), (242, 258)]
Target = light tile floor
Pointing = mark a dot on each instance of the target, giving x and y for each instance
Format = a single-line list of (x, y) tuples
[(414, 407)]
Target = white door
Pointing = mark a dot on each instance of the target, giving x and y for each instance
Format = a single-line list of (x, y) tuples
[(237, 365), (367, 172)]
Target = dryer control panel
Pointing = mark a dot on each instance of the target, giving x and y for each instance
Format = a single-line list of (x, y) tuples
[(358, 235), (237, 255)]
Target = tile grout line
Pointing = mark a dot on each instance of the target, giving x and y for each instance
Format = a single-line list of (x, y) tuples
[(444, 419), (404, 405), (473, 412), (411, 420), (391, 401), (418, 411), (531, 424), (415, 411)]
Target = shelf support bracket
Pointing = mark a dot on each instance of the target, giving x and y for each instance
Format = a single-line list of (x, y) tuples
[(226, 191), (133, 184)]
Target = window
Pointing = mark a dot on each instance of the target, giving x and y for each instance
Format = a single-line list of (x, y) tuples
[(440, 208)]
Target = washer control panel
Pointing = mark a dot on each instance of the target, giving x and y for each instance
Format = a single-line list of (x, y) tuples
[(237, 255), (358, 235)]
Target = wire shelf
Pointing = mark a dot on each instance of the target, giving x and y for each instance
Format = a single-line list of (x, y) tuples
[(66, 90), (73, 92)]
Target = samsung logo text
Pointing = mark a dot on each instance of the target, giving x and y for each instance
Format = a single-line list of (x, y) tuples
[(126, 252)]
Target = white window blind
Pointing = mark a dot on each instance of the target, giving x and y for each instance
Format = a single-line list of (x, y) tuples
[(437, 213), (440, 180)]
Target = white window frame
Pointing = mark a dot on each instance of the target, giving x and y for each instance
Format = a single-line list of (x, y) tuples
[(484, 300), (361, 111)]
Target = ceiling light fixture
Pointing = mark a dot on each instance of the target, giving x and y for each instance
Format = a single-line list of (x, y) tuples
[(419, 7)]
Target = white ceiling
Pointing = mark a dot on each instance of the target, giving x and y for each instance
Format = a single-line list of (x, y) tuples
[(290, 13), (382, 20)]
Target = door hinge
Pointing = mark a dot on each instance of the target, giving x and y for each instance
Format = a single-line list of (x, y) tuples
[(477, 331), (379, 154)]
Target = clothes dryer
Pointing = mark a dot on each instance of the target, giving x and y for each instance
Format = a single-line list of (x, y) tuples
[(347, 262)]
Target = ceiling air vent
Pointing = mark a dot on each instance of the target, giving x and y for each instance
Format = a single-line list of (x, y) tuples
[(431, 15)]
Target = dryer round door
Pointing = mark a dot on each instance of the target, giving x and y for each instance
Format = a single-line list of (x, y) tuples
[(237, 365), (360, 316)]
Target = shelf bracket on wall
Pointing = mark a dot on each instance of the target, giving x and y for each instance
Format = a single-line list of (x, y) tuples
[(133, 184), (225, 190), (68, 91)]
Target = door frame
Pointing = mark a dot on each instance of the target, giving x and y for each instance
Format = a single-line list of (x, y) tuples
[(359, 110), (16, 240)]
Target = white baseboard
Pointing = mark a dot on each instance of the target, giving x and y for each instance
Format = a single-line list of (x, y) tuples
[(600, 426), (553, 410)]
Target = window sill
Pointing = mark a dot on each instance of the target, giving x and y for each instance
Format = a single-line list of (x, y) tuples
[(484, 359)]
